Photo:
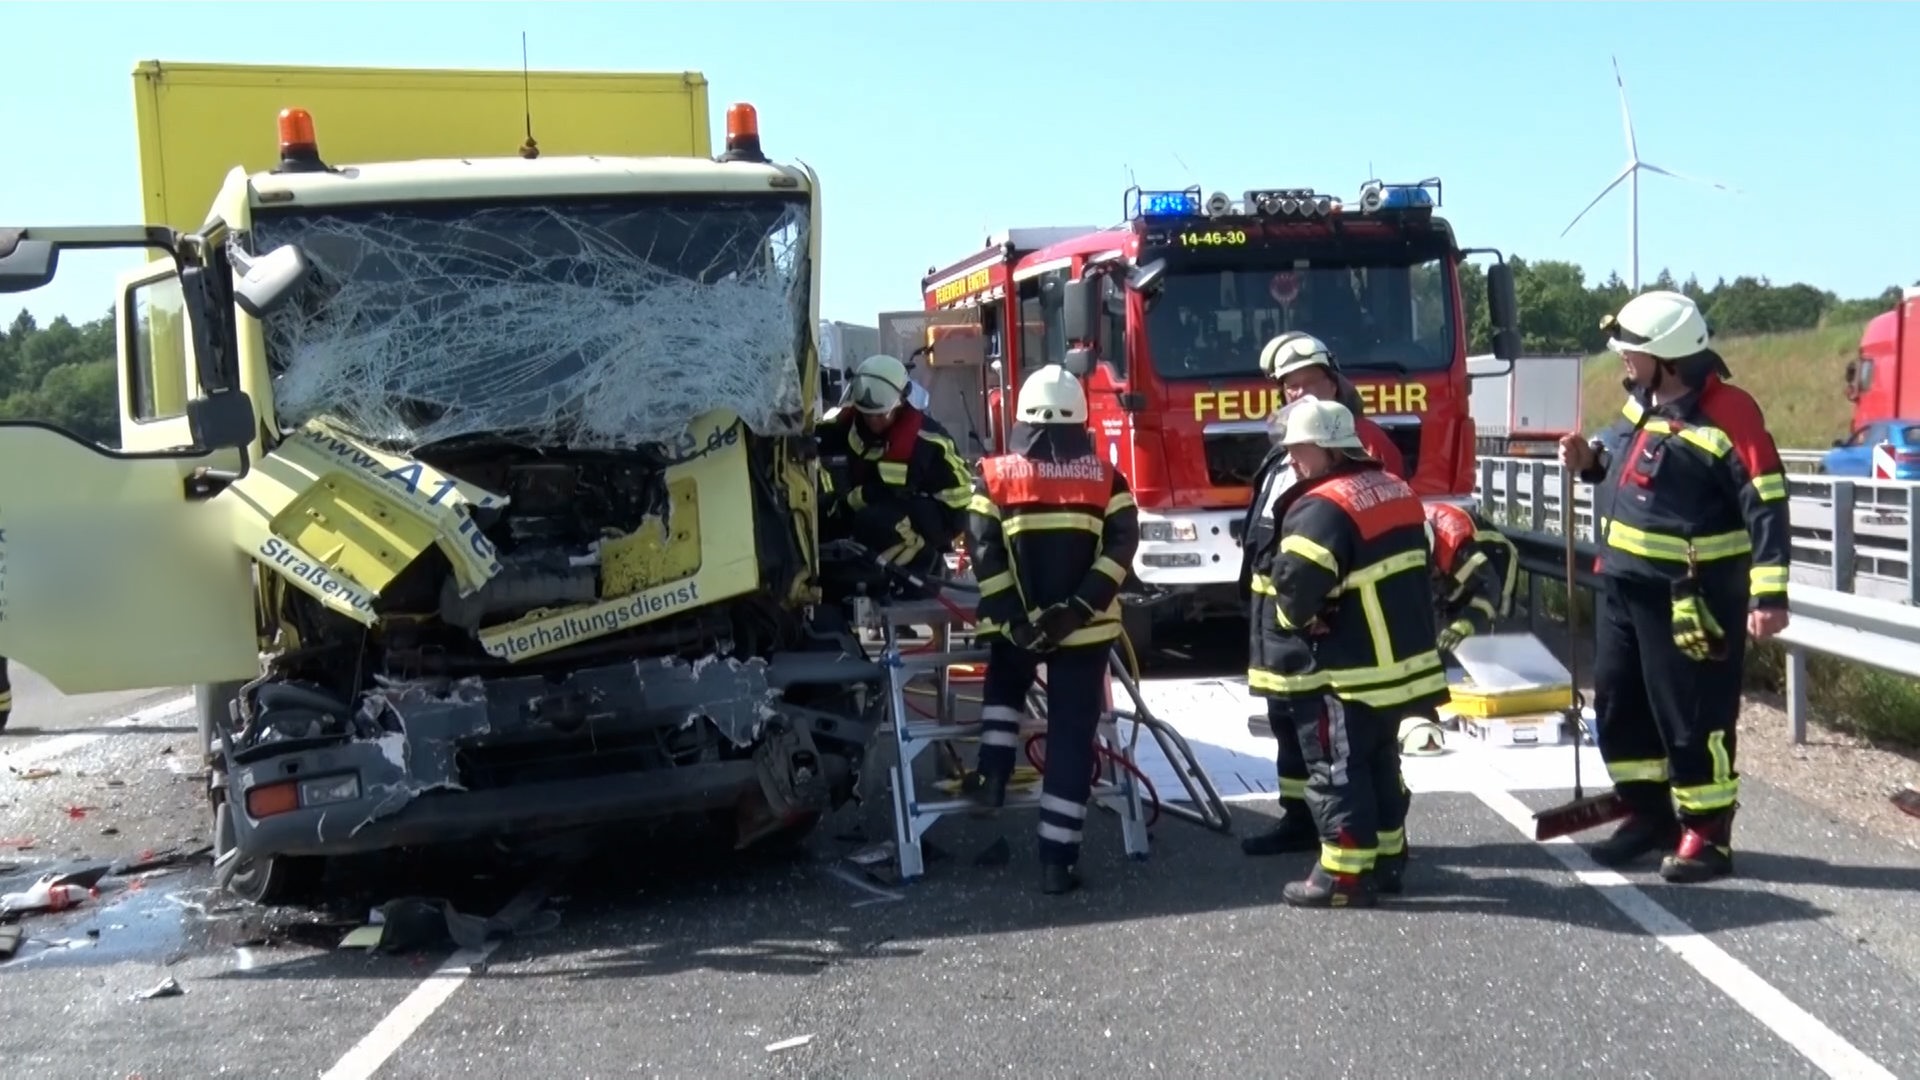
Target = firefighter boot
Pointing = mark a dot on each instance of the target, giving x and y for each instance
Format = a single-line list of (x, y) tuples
[(1705, 850), (986, 789), (1057, 878), (1327, 890), (1295, 832), (1650, 828)]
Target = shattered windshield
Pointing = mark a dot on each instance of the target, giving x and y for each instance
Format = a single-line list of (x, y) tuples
[(598, 323), (1211, 324)]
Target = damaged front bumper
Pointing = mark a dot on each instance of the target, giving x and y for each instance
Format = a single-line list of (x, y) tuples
[(419, 765)]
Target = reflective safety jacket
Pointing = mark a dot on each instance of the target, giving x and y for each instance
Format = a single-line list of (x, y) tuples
[(1698, 475), (1475, 566), (915, 463), (1342, 603), (1049, 522)]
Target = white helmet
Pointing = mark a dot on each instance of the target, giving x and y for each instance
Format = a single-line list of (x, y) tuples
[(1052, 395), (879, 385), (1321, 423), (1294, 351), (1421, 737), (1663, 324)]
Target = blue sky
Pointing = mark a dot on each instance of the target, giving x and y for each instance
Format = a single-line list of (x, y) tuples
[(933, 124)]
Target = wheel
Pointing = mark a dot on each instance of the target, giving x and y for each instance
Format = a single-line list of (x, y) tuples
[(285, 879)]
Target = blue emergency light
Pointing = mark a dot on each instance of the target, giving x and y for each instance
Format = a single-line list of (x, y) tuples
[(1377, 195), (1163, 204)]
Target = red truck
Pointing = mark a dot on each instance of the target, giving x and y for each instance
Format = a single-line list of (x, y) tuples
[(1164, 317), (1877, 383)]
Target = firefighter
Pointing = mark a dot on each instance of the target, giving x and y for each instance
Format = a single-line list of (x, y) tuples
[(1305, 368), (1343, 636), (903, 488), (1051, 530), (1474, 570), (6, 693), (1693, 561)]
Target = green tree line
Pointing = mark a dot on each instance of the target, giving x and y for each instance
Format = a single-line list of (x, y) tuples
[(63, 373), (1560, 313)]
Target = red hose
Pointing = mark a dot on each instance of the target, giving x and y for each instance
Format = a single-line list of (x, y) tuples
[(1037, 757)]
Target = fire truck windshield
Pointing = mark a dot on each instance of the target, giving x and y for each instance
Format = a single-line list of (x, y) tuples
[(1210, 324)]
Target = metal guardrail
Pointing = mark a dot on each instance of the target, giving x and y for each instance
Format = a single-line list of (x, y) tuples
[(1849, 535), (1858, 624)]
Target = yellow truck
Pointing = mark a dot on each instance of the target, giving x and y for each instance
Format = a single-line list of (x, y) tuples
[(473, 489)]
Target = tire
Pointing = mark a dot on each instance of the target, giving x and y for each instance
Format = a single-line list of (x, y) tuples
[(272, 881), (283, 880)]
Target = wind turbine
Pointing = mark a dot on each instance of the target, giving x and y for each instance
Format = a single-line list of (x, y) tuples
[(1631, 174)]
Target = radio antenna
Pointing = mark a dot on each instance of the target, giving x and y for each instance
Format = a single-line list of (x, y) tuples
[(529, 149)]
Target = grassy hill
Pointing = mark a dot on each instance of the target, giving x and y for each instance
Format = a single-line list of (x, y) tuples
[(1797, 378)]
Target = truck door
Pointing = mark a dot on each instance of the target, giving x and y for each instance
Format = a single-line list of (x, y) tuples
[(112, 575), (110, 578)]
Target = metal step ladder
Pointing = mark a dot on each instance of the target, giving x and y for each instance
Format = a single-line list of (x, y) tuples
[(909, 675)]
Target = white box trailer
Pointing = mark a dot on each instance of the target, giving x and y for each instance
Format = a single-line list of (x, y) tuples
[(1524, 411), (842, 346)]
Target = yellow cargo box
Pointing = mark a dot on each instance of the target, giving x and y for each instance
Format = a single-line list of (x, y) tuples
[(198, 121)]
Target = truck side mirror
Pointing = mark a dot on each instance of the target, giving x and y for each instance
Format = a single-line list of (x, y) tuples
[(1504, 310), (262, 285), (1080, 305), (1078, 361), (1146, 279), (222, 421), (25, 265)]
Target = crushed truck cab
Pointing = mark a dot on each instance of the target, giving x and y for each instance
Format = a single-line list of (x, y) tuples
[(515, 532)]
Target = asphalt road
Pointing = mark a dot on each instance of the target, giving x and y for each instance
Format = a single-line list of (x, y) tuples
[(1505, 958)]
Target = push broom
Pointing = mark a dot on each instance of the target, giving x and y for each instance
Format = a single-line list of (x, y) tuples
[(1585, 811)]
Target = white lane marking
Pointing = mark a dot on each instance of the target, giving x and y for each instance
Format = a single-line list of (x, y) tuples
[(371, 1052), (36, 753), (1816, 1042)]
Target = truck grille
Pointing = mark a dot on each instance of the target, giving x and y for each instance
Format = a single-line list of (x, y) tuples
[(1406, 439), (1234, 457)]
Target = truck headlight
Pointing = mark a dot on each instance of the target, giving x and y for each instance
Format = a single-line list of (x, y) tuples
[(1185, 532), (329, 789)]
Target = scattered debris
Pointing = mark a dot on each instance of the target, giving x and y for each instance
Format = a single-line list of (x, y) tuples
[(168, 988), (34, 774), (50, 893), (9, 941), (879, 896), (109, 830), (1907, 799), (154, 860), (789, 1044), (78, 812)]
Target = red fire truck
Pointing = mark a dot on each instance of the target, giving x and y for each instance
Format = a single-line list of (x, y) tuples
[(1164, 317)]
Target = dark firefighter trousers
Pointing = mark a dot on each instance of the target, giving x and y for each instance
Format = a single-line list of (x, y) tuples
[(1666, 721), (1354, 787), (6, 691), (1291, 764), (1076, 681)]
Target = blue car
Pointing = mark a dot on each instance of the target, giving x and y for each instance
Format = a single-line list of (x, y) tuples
[(1853, 456)]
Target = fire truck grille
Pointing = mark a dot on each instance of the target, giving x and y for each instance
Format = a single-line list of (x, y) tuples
[(1234, 457), (1406, 439)]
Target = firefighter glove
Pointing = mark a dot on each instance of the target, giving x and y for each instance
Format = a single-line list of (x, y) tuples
[(1694, 630), (1454, 633), (1025, 635), (1062, 619)]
